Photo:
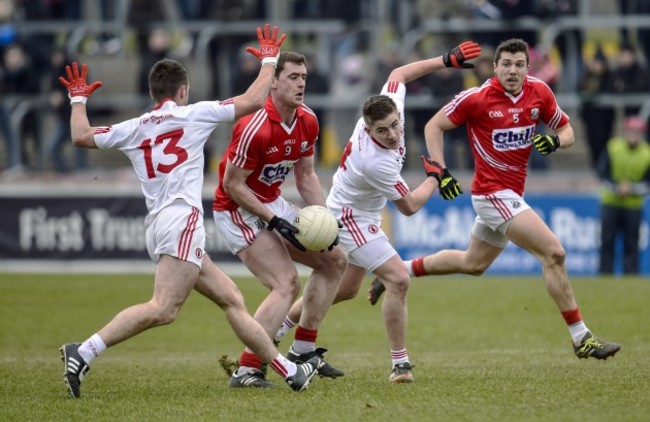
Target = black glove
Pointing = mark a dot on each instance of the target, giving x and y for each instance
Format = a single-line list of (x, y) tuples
[(546, 144), (286, 230), (336, 240), (457, 56), (432, 168), (448, 185)]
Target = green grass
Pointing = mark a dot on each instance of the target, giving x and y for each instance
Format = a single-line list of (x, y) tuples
[(485, 349)]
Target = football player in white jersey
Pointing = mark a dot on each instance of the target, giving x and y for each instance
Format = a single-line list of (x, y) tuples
[(165, 147), (368, 176), (501, 117)]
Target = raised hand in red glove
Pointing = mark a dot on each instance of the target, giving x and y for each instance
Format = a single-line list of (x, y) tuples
[(78, 88), (456, 56), (269, 45)]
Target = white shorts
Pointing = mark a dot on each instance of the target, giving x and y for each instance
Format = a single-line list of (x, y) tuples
[(239, 228), (494, 213), (363, 239), (177, 230)]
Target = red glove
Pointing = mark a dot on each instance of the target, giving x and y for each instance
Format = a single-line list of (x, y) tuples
[(78, 89), (432, 168), (457, 56), (269, 45)]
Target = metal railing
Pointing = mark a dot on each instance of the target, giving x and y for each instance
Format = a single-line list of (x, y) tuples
[(206, 31)]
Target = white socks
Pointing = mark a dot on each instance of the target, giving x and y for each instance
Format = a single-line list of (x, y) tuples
[(399, 356), (92, 348), (287, 325), (409, 267), (578, 331)]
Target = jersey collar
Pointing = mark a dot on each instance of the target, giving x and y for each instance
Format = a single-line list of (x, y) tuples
[(274, 114), (160, 105), (494, 82), (377, 142)]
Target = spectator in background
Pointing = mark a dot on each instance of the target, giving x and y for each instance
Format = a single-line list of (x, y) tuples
[(387, 60), (246, 73), (159, 44), (598, 118), (636, 8), (624, 169), (58, 103), (484, 69), (22, 80), (224, 50), (143, 16), (444, 85), (12, 149), (571, 59), (503, 13), (351, 82), (630, 76), (319, 84), (542, 67)]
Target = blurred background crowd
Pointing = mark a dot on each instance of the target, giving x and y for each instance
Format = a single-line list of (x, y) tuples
[(593, 53)]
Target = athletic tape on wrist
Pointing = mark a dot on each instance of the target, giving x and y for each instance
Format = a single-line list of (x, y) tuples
[(271, 60), (78, 99)]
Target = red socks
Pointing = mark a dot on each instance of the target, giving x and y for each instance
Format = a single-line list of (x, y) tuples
[(250, 360), (571, 317), (303, 334), (418, 267)]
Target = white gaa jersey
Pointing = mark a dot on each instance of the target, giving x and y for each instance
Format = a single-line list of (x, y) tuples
[(369, 173), (165, 147)]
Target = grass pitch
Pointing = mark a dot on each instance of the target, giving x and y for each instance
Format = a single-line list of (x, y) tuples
[(484, 349)]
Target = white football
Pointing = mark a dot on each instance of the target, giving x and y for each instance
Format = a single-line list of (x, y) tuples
[(317, 227)]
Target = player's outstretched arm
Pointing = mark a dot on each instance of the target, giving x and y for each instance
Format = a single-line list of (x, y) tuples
[(413, 201), (268, 54), (433, 134), (79, 91), (456, 57)]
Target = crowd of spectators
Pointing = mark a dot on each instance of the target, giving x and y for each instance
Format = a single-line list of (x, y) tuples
[(34, 112)]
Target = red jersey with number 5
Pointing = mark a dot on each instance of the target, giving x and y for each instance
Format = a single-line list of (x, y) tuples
[(165, 147), (261, 142), (500, 127)]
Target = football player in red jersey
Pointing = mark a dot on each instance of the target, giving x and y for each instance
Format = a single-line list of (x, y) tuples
[(255, 220), (501, 117)]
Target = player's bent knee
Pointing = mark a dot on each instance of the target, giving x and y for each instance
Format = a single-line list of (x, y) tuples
[(399, 285), (332, 263), (287, 288), (338, 260), (345, 293), (164, 315), (477, 270), (556, 256)]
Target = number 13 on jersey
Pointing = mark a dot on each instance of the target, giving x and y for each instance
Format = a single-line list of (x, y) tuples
[(153, 155)]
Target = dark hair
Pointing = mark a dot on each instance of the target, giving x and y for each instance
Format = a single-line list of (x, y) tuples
[(513, 45), (165, 77), (291, 57), (378, 107)]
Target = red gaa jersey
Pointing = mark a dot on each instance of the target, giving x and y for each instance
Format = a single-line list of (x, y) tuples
[(500, 127), (263, 143)]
